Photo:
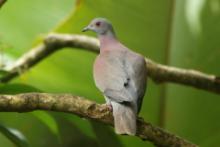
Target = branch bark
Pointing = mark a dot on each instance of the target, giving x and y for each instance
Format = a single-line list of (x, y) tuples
[(157, 72), (87, 109)]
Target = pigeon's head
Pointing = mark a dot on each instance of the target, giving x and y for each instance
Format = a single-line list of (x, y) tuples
[(101, 26)]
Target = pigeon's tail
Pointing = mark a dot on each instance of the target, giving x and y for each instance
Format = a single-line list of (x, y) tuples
[(124, 119)]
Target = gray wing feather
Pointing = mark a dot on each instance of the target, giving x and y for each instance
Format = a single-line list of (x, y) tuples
[(130, 81), (136, 67), (119, 96)]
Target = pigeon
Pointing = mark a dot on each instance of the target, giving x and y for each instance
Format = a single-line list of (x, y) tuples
[(121, 75)]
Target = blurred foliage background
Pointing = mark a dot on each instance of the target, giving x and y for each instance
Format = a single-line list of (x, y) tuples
[(182, 33)]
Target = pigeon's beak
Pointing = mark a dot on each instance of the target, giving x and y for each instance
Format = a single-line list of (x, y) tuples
[(85, 29)]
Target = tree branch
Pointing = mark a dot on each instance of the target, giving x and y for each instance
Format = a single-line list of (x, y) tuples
[(2, 2), (87, 109), (157, 72)]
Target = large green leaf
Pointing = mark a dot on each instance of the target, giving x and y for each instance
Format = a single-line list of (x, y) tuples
[(22, 22), (49, 121), (71, 134), (14, 135), (192, 113), (17, 88), (37, 133), (105, 136)]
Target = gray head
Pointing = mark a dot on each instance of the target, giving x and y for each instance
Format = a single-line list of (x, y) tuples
[(101, 26)]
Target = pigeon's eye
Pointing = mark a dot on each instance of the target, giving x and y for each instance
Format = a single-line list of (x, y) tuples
[(98, 24)]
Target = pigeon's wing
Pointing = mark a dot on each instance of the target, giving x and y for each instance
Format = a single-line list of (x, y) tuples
[(136, 68), (120, 77), (120, 96)]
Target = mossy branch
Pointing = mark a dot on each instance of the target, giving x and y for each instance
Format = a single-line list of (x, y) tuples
[(87, 109)]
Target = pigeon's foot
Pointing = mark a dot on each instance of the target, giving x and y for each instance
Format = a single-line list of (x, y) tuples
[(109, 106)]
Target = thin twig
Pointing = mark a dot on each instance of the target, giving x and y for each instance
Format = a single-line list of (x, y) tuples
[(86, 109), (157, 72)]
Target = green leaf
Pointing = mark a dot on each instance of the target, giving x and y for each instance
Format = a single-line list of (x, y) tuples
[(17, 88), (2, 72), (193, 113), (14, 135), (49, 121), (84, 125), (106, 135), (71, 134)]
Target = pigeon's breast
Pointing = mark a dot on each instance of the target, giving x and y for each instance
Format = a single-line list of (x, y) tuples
[(106, 72)]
